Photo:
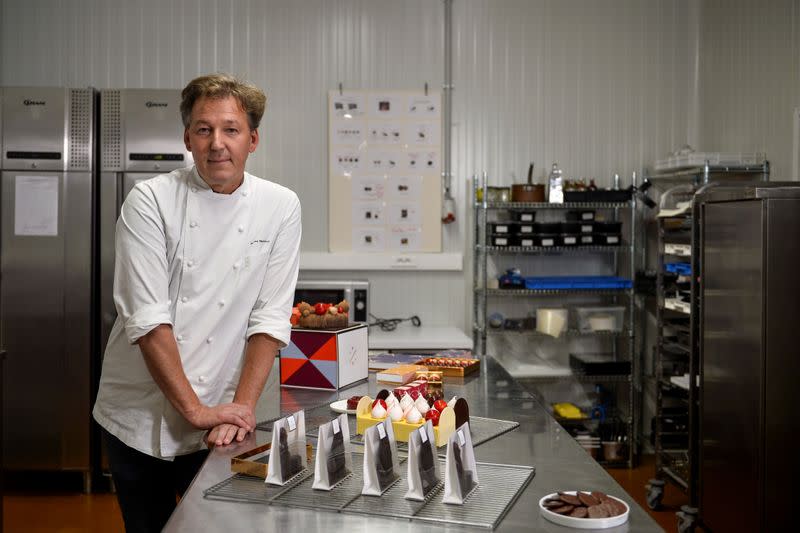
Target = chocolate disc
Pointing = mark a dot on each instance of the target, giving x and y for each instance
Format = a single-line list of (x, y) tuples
[(569, 498), (580, 512), (564, 509), (601, 496), (597, 511), (587, 499)]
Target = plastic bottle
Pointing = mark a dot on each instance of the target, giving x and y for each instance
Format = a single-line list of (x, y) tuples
[(556, 191)]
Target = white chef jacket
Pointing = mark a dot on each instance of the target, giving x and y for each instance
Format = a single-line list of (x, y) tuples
[(218, 268)]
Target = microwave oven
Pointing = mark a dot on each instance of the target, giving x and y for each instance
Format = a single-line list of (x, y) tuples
[(355, 292)]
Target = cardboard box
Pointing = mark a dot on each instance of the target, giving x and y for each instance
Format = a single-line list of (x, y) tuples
[(324, 358)]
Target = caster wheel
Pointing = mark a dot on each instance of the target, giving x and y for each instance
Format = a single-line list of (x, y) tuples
[(687, 518), (655, 492)]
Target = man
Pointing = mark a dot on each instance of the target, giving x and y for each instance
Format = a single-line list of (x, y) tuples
[(206, 266)]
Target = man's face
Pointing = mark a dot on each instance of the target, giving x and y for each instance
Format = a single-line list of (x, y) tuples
[(220, 140)]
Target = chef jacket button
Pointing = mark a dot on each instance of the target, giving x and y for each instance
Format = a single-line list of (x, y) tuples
[(236, 265), (201, 379), (180, 338), (222, 303), (192, 224), (194, 189), (210, 340), (244, 193), (190, 263), (241, 229), (184, 299)]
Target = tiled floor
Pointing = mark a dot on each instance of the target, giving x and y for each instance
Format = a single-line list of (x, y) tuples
[(65, 510)]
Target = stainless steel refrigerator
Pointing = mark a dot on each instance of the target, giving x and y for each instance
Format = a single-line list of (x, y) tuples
[(141, 136), (46, 272), (750, 359)]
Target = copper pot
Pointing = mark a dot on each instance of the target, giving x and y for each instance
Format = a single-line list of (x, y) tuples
[(528, 192)]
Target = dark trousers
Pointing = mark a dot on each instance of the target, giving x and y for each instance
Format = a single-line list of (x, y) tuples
[(146, 486)]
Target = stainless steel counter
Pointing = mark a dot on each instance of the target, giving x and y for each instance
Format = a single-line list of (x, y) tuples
[(539, 441)]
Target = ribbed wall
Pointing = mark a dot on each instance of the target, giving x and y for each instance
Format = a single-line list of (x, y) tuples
[(750, 78), (600, 87)]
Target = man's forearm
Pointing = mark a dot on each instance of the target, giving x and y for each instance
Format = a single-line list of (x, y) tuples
[(163, 360), (258, 361)]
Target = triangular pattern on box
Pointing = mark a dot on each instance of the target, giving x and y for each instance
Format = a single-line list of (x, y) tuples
[(309, 375)]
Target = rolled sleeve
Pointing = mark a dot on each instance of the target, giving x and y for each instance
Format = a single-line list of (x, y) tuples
[(272, 310), (141, 278)]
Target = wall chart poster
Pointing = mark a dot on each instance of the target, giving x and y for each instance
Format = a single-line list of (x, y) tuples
[(384, 153)]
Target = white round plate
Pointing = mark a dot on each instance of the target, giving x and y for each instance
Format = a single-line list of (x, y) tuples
[(582, 523), (340, 406)]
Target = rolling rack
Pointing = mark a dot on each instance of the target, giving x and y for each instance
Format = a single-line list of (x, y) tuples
[(679, 334)]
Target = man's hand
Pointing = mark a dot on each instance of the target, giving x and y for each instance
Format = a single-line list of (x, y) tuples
[(204, 417), (224, 434)]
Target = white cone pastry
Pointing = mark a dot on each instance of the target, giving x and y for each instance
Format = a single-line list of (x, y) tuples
[(413, 416), (422, 405), (392, 400), (406, 402), (395, 413), (452, 403), (378, 411)]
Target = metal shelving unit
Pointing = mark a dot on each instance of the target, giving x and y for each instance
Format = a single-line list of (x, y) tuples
[(625, 386), (679, 332)]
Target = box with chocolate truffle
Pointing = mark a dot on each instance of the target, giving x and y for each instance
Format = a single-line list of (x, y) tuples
[(408, 414)]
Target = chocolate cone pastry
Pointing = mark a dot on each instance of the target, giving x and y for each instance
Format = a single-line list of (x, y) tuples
[(290, 464), (427, 470), (337, 469), (465, 482), (384, 465)]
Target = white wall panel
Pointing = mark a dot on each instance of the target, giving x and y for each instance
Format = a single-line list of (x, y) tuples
[(750, 78), (599, 87)]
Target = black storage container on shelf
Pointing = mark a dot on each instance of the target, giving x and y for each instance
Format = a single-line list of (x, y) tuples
[(525, 229), (547, 239), (568, 239), (610, 239), (586, 239), (524, 216), (580, 215), (500, 228), (547, 228), (503, 239), (608, 227), (527, 240)]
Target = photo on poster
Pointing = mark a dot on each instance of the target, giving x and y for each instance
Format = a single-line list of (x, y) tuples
[(368, 214), (404, 188), (346, 161), (405, 214), (406, 239), (368, 189), (347, 106), (386, 105), (349, 132), (369, 239), (424, 106), (424, 133), (384, 162), (425, 162), (386, 133)]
